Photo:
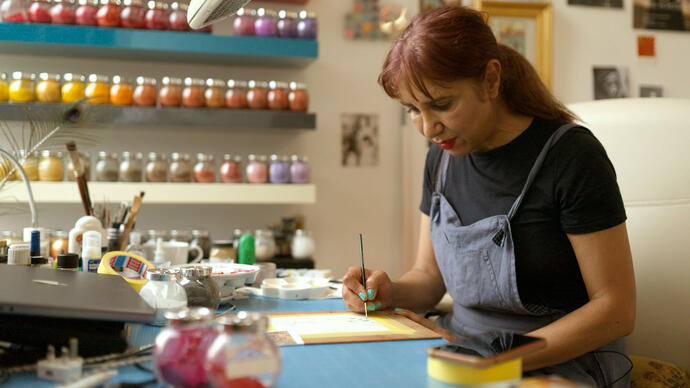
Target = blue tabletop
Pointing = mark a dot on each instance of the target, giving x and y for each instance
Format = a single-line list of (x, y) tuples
[(370, 364)]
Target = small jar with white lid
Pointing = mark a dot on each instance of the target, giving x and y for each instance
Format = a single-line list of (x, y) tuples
[(163, 293)]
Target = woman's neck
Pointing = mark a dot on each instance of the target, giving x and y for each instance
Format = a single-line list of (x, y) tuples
[(506, 126)]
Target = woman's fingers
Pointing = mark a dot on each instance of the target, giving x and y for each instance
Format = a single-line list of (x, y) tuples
[(352, 281), (447, 335)]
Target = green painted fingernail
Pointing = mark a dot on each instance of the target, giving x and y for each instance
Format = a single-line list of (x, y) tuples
[(378, 305), (371, 307), (363, 296), (398, 309), (370, 292)]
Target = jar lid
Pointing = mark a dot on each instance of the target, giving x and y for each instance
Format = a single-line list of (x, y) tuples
[(278, 85), (137, 3), (105, 154), (205, 270), (157, 5), (177, 156), (171, 81), (155, 233), (89, 2), (157, 274), (49, 153), (262, 158), (283, 14), (261, 12), (3, 76), (274, 157), (118, 79), (301, 232), (49, 77), (304, 159), (243, 322), (156, 156), (257, 84), (146, 81), (303, 14), (70, 77), (204, 157), (60, 234), (115, 2), (223, 244), (130, 155), (298, 86), (68, 260), (246, 11), (234, 83), (174, 273), (251, 157), (179, 5), (191, 271), (22, 75), (215, 82), (189, 81), (189, 316), (98, 78), (200, 233)]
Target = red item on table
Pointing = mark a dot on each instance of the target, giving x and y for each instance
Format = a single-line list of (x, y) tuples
[(157, 17), (133, 14), (39, 12), (62, 13), (108, 14), (85, 15)]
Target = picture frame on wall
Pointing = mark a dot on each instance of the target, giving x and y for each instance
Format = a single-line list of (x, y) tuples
[(425, 5), (527, 27), (672, 15)]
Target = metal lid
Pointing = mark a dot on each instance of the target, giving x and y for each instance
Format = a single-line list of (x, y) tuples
[(190, 316), (234, 83), (243, 322), (200, 233), (223, 244), (189, 81), (178, 156), (146, 81), (257, 84), (88, 2), (68, 260), (274, 157), (236, 158), (303, 14), (22, 75), (157, 5), (174, 273), (49, 77), (278, 85), (70, 77), (115, 2), (205, 271), (157, 275), (138, 3), (191, 272), (130, 155), (204, 157), (49, 153), (118, 79), (261, 12), (171, 81), (156, 156), (251, 157), (179, 5), (215, 82), (246, 11), (283, 14), (104, 154), (99, 78), (298, 86), (154, 233)]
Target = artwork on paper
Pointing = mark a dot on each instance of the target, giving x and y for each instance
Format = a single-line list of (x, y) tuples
[(611, 82), (360, 140), (651, 91), (662, 14), (513, 34), (425, 5), (363, 23), (598, 3)]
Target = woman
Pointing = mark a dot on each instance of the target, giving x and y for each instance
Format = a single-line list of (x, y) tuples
[(522, 219)]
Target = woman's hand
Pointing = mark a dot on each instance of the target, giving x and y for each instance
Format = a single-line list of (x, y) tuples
[(378, 295), (447, 335)]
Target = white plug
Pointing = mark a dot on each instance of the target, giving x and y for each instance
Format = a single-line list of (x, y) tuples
[(66, 368)]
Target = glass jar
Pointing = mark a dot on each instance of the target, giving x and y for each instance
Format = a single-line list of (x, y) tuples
[(180, 168), (266, 23), (62, 12), (22, 87), (278, 95), (85, 161), (264, 244), (205, 272), (51, 167), (156, 168), (121, 91), (108, 14), (298, 98), (257, 95), (178, 16), (198, 292), (157, 17), (287, 24), (180, 236), (131, 167), (202, 239), (257, 171), (162, 293), (29, 163), (279, 169), (145, 93), (107, 167), (242, 355), (48, 88), (205, 169), (222, 252), (133, 14), (59, 243), (299, 170), (193, 93), (85, 15), (236, 96), (170, 94), (14, 11), (180, 348), (73, 88), (307, 27), (214, 96), (98, 90), (39, 12), (231, 169), (302, 246), (243, 25), (5, 88)]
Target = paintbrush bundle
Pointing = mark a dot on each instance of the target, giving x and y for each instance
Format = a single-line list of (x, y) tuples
[(80, 177), (128, 223)]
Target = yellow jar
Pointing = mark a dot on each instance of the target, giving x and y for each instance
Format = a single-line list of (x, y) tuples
[(4, 88), (98, 90), (48, 88), (73, 88), (51, 167), (22, 87), (30, 166)]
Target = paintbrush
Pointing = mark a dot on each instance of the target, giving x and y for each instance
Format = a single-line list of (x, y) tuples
[(80, 177), (124, 237), (364, 278)]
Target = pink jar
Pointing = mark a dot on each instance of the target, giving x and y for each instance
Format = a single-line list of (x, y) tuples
[(62, 12), (178, 16), (157, 16), (257, 169), (13, 11), (39, 12), (133, 14), (266, 23), (85, 15), (243, 25), (108, 14)]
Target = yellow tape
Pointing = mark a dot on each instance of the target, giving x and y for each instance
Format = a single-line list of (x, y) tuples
[(128, 260), (460, 374)]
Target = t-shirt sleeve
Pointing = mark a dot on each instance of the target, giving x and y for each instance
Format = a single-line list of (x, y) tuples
[(430, 166), (586, 189)]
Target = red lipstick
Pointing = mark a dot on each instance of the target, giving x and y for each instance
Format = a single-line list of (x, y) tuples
[(447, 144)]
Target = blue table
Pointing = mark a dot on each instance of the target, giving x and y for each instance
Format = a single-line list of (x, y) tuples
[(374, 364)]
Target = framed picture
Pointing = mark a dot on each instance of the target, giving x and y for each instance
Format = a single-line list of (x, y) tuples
[(425, 5), (611, 82), (662, 14), (527, 28)]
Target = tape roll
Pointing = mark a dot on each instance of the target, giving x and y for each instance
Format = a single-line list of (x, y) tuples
[(126, 260), (454, 373)]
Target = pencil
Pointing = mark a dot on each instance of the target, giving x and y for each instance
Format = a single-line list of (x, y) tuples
[(364, 278)]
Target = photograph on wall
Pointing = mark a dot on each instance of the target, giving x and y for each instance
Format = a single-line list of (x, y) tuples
[(518, 33), (598, 3), (651, 91), (360, 140), (425, 5), (662, 14), (611, 82)]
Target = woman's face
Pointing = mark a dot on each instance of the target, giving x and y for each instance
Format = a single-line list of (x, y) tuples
[(458, 116)]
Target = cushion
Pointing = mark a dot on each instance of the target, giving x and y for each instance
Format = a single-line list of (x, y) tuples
[(651, 373)]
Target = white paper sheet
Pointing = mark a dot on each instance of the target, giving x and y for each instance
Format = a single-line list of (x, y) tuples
[(324, 324)]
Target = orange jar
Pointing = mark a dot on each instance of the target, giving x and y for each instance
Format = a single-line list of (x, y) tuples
[(98, 90), (257, 95), (171, 92), (145, 94), (73, 88), (298, 98), (121, 92), (48, 88), (278, 95), (215, 93), (193, 93), (236, 96)]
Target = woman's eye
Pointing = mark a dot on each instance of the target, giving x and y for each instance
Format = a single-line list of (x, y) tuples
[(412, 109), (441, 106)]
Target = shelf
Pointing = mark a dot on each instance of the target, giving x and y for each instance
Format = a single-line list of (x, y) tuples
[(125, 43), (164, 193), (197, 117)]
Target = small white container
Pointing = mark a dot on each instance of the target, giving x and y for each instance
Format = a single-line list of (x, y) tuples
[(163, 293), (302, 245)]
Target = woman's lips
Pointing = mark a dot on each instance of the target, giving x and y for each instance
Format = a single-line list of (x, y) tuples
[(447, 144)]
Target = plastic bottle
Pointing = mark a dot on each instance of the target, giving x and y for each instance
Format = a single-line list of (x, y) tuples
[(84, 224), (246, 254), (91, 251), (135, 246)]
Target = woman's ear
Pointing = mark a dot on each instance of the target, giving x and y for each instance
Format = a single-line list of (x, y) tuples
[(492, 78)]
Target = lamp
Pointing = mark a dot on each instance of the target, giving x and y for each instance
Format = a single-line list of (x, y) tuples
[(201, 13)]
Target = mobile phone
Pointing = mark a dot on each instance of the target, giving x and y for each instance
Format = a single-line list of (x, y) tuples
[(488, 348)]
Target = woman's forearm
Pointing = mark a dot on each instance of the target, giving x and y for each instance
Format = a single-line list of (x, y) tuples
[(417, 290)]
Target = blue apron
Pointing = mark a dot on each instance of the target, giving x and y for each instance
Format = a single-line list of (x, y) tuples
[(477, 263)]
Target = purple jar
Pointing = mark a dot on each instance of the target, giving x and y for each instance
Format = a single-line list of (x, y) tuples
[(307, 27), (279, 170), (243, 24), (287, 24), (266, 22), (299, 170)]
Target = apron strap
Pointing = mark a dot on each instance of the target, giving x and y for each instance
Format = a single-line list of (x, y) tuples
[(442, 172), (537, 165)]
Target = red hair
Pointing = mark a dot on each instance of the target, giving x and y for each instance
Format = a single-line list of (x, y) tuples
[(451, 43)]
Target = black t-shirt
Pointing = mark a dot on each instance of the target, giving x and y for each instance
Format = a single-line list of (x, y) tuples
[(575, 192)]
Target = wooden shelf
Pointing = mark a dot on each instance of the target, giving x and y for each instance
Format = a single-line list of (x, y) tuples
[(165, 193), (197, 117), (124, 43)]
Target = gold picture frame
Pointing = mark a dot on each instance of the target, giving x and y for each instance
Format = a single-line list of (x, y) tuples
[(527, 26)]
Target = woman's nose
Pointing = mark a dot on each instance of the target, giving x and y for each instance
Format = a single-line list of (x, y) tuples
[(431, 127)]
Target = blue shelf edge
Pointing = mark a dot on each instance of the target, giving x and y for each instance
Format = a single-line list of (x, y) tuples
[(124, 43)]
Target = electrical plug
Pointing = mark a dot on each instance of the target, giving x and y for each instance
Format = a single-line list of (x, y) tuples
[(67, 367)]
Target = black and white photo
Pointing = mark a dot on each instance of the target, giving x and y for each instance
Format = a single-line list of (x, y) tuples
[(611, 82), (360, 140)]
